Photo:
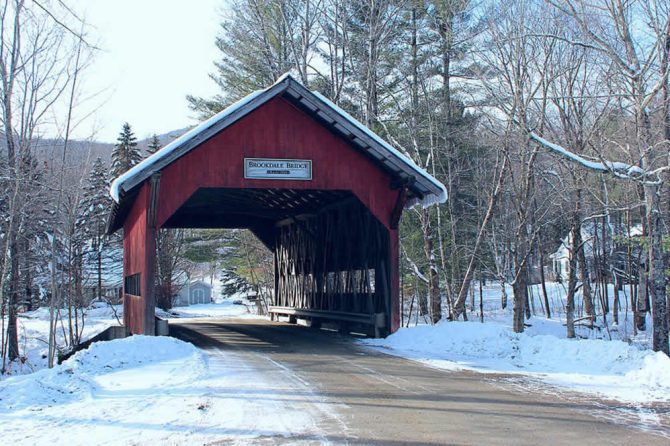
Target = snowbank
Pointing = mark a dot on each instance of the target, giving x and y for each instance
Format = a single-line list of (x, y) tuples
[(104, 366), (34, 326), (612, 369), (149, 390), (34, 333)]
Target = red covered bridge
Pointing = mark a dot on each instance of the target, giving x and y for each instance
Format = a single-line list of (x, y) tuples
[(318, 188)]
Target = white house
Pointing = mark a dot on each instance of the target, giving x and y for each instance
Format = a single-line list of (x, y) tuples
[(195, 292), (560, 259)]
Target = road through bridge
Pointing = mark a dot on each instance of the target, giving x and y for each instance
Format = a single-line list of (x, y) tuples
[(363, 397)]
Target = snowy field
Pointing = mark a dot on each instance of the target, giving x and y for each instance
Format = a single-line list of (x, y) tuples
[(623, 368), (149, 390)]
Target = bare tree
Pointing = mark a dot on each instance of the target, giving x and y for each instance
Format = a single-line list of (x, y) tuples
[(607, 29), (35, 71)]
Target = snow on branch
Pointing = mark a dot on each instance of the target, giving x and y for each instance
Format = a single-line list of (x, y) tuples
[(619, 169)]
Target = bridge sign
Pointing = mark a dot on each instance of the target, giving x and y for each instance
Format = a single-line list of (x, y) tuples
[(277, 169)]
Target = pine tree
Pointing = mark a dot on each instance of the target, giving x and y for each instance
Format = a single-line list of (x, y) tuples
[(154, 145), (96, 203), (255, 48), (125, 154)]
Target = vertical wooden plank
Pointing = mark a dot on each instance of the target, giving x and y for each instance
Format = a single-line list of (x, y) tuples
[(149, 283), (395, 279), (134, 249)]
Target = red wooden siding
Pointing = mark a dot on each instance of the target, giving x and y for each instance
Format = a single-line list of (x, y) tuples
[(276, 130), (139, 241)]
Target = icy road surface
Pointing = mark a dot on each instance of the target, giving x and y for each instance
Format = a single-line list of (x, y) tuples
[(250, 381), (367, 397)]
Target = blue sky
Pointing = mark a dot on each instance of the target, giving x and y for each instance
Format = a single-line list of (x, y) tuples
[(152, 54)]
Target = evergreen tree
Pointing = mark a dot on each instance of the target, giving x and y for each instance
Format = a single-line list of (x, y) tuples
[(96, 204), (125, 154), (154, 145), (255, 50)]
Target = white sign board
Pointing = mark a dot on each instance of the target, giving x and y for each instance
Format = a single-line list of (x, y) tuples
[(277, 169)]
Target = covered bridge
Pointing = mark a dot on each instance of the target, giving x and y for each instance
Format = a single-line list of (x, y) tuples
[(319, 189)]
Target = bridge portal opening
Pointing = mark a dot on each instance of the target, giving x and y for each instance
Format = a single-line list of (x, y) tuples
[(331, 255)]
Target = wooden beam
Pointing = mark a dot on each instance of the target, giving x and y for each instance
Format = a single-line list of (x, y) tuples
[(394, 220)]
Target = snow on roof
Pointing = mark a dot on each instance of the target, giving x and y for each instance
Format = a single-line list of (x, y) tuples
[(436, 191), (200, 283), (147, 163), (427, 201)]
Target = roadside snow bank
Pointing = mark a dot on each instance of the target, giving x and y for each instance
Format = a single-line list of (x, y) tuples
[(34, 333), (102, 367), (154, 390), (613, 369)]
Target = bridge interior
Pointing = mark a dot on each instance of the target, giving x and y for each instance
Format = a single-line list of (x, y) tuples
[(331, 255)]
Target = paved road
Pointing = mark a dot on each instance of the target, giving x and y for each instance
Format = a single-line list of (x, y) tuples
[(374, 398)]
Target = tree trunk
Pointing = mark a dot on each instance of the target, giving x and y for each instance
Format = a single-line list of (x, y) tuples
[(570, 298), (585, 277), (433, 276), (520, 289), (657, 270), (579, 252), (641, 302), (503, 292), (14, 284), (615, 306), (576, 233), (545, 296), (459, 305)]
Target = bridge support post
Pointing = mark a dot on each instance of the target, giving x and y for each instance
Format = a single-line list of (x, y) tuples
[(395, 280), (139, 262)]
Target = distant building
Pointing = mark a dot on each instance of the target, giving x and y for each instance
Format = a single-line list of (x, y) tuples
[(560, 259), (111, 274), (195, 292)]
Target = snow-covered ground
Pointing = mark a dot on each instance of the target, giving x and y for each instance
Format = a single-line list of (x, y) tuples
[(237, 308), (34, 333), (34, 326), (159, 390), (150, 390), (623, 368)]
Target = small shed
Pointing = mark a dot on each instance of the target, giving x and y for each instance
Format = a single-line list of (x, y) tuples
[(192, 293)]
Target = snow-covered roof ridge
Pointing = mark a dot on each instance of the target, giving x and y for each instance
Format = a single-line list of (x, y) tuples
[(199, 282), (116, 186), (440, 198), (426, 189)]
